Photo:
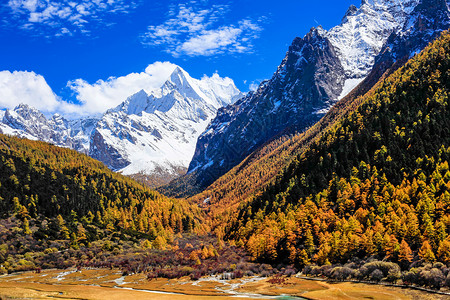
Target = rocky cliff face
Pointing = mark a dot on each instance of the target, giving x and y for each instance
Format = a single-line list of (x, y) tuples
[(423, 25), (428, 19), (364, 30), (318, 70), (309, 77)]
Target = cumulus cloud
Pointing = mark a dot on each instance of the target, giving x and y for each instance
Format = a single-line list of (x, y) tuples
[(253, 86), (93, 99), (105, 94), (63, 17), (193, 30), (26, 87)]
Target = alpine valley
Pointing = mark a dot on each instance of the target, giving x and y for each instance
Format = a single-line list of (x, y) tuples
[(330, 181)]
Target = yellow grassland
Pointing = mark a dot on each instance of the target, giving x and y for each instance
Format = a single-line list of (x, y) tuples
[(104, 284)]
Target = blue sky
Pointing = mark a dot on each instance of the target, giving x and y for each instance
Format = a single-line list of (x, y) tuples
[(84, 51)]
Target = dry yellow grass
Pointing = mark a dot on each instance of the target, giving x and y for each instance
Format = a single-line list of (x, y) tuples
[(182, 285), (102, 284), (292, 286), (348, 290), (24, 290)]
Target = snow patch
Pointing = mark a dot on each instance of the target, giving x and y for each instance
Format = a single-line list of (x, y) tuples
[(120, 280), (349, 85)]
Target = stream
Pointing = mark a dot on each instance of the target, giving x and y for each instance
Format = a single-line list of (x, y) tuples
[(230, 289)]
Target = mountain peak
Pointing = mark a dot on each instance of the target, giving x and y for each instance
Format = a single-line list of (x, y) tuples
[(380, 2), (315, 32), (363, 32), (179, 77), (26, 112), (134, 104), (350, 11), (137, 102), (141, 92), (178, 70), (59, 121), (25, 107), (184, 84)]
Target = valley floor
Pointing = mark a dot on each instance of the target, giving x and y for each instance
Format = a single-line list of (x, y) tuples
[(110, 284)]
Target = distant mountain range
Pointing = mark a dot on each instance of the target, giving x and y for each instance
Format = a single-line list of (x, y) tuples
[(317, 71), (28, 122), (147, 134)]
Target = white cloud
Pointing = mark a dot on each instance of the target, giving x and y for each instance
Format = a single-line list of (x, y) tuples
[(26, 87), (104, 94), (49, 16), (194, 31), (254, 85), (94, 99)]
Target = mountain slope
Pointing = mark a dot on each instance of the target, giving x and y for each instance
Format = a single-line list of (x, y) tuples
[(317, 71), (275, 106), (377, 177), (259, 169)]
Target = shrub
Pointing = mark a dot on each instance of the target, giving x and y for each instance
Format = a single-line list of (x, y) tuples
[(390, 270), (238, 274), (433, 278), (411, 276), (376, 275), (342, 273), (290, 272), (447, 281)]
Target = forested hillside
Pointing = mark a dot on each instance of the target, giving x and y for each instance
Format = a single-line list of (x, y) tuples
[(55, 197), (376, 184), (261, 168)]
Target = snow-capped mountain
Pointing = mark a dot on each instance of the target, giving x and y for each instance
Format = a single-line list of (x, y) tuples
[(148, 134), (317, 71), (157, 133), (28, 122)]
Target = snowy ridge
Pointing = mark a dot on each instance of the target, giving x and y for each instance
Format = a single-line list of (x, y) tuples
[(424, 24), (27, 122)]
